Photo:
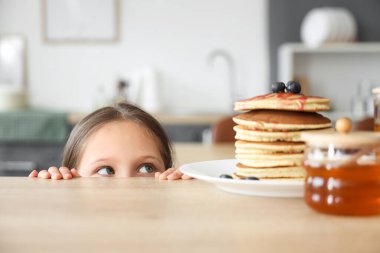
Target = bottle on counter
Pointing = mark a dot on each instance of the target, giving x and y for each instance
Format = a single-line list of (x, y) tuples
[(150, 90), (362, 101), (376, 105), (121, 92)]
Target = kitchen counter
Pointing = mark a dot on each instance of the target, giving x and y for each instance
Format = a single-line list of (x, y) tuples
[(180, 128), (172, 119)]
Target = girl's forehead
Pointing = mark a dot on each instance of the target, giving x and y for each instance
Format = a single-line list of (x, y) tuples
[(121, 137), (126, 129)]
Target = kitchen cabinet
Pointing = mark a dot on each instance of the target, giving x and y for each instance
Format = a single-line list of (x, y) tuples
[(20, 157), (31, 139)]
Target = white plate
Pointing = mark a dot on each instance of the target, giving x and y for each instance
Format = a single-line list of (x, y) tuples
[(211, 170)]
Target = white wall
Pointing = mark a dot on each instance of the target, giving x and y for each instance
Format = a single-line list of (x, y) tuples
[(174, 36)]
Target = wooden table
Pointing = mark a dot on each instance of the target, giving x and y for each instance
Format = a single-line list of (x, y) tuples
[(147, 215)]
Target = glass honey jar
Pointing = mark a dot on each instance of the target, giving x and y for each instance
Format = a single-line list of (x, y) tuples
[(342, 172)]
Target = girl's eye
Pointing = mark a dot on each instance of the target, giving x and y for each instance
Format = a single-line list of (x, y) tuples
[(106, 171), (146, 168)]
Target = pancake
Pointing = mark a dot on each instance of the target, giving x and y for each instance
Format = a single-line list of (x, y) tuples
[(294, 172), (249, 147), (246, 134), (284, 101), (282, 179), (270, 160), (275, 120)]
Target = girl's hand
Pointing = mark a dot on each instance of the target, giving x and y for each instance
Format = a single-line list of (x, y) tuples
[(171, 174), (55, 173)]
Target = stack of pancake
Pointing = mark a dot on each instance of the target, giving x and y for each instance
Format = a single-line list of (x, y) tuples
[(268, 144)]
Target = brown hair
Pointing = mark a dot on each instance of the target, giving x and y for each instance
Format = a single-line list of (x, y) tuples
[(122, 111)]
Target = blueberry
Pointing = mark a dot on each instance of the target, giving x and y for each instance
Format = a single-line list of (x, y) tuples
[(251, 178), (293, 87), (225, 176), (278, 87)]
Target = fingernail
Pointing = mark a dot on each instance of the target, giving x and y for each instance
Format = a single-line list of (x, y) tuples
[(56, 176), (67, 176)]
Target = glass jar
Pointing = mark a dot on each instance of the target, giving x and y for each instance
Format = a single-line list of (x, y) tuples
[(343, 172)]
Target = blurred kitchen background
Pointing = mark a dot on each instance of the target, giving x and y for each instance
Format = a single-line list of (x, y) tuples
[(185, 61)]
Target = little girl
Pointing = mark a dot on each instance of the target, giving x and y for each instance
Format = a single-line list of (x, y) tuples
[(119, 141)]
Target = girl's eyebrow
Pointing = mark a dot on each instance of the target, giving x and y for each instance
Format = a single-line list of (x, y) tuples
[(142, 158), (99, 160), (150, 157)]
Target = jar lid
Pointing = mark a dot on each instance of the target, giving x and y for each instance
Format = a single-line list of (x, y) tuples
[(324, 138)]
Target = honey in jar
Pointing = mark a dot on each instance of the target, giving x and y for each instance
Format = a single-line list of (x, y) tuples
[(342, 172)]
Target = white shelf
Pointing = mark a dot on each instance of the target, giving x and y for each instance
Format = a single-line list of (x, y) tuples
[(287, 53), (362, 47)]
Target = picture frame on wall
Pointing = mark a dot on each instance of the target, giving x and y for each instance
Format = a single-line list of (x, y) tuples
[(80, 20)]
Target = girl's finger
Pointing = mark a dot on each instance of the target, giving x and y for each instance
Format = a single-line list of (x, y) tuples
[(157, 174), (44, 174), (65, 172), (165, 174), (54, 172), (174, 175), (74, 172), (186, 177), (34, 173)]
